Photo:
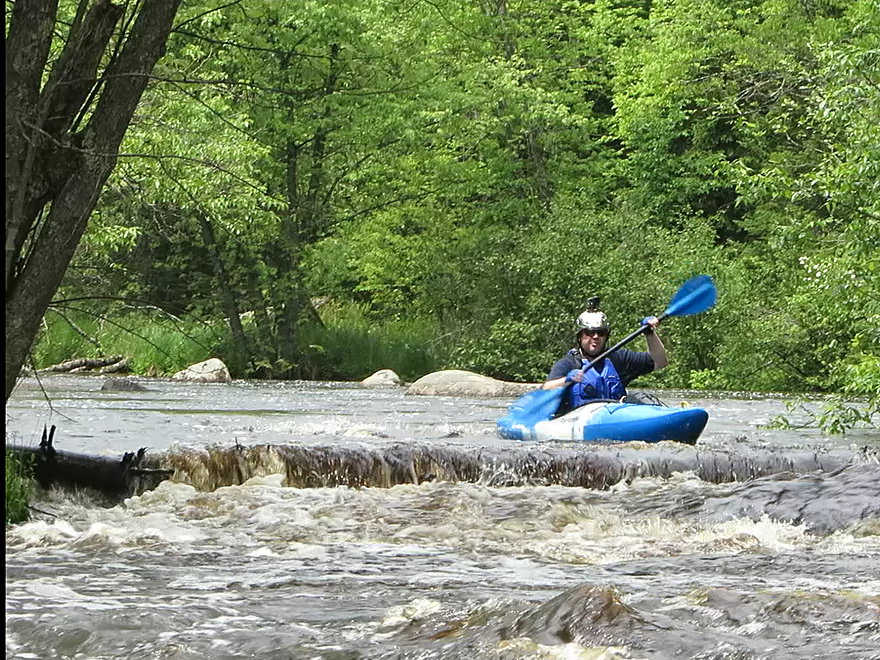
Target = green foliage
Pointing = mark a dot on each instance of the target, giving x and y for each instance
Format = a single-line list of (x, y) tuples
[(456, 183), (836, 415), (513, 349), (162, 347), (62, 338), (579, 251), (858, 406), (861, 377), (350, 346), (19, 488), (155, 343)]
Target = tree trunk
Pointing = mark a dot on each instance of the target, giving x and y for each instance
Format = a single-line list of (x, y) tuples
[(305, 218), (287, 261), (230, 309), (27, 48), (262, 320), (48, 164)]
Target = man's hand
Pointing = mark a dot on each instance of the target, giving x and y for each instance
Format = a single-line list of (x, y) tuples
[(652, 322), (574, 376)]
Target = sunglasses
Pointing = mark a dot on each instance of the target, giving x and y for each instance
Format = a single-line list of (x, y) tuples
[(599, 332)]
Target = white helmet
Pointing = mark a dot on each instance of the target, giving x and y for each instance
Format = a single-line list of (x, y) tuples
[(592, 320)]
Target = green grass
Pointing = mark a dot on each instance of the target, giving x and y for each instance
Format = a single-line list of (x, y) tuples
[(349, 346), (155, 344), (19, 489)]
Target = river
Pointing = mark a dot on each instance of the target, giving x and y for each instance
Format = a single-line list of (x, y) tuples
[(372, 524)]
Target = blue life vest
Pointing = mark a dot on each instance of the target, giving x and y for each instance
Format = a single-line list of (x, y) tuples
[(605, 384)]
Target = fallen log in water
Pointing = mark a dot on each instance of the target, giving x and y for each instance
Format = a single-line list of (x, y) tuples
[(115, 477), (104, 365)]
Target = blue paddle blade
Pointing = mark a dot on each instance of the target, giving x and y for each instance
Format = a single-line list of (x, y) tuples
[(528, 410), (694, 296)]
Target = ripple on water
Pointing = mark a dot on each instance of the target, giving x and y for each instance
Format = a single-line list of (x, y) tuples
[(502, 562)]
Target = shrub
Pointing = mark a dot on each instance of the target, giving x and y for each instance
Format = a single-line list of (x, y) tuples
[(19, 488)]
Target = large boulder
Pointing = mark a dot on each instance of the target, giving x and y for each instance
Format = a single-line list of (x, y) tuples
[(382, 378), (455, 382), (209, 371)]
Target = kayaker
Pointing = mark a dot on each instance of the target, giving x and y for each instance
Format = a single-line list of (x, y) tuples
[(608, 379)]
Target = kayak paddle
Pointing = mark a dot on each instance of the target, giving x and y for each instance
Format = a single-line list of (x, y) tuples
[(694, 296)]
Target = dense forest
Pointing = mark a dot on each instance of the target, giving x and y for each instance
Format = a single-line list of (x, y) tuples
[(315, 189)]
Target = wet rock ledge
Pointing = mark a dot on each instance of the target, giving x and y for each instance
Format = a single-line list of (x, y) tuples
[(587, 465)]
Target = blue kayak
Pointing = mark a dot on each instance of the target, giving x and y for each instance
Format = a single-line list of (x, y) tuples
[(612, 422)]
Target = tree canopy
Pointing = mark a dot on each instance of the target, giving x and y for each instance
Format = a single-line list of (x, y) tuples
[(480, 169)]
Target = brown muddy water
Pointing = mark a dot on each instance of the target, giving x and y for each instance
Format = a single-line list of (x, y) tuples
[(356, 524)]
